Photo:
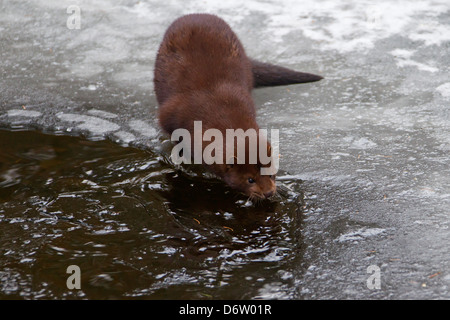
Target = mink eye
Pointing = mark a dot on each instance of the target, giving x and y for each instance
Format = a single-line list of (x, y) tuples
[(250, 180)]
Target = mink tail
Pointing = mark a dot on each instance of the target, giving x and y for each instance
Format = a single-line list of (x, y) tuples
[(269, 75)]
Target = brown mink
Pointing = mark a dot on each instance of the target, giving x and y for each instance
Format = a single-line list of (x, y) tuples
[(203, 74)]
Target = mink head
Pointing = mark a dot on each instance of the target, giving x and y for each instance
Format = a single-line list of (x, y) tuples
[(253, 176), (247, 178)]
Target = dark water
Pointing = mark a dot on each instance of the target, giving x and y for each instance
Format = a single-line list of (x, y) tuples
[(366, 152), (136, 226)]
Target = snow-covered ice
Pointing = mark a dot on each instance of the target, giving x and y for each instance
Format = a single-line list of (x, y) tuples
[(370, 142)]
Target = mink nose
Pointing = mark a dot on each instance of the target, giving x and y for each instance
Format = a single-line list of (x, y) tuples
[(268, 194)]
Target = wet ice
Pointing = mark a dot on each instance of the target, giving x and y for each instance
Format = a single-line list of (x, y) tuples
[(370, 142)]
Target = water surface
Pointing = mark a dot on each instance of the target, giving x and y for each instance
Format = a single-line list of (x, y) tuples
[(364, 156), (136, 226)]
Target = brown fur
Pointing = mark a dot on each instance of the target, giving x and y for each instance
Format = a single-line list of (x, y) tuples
[(203, 74)]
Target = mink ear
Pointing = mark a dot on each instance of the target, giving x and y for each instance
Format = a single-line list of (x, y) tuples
[(231, 162)]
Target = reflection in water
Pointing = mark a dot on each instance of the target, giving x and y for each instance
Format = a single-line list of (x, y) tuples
[(136, 226)]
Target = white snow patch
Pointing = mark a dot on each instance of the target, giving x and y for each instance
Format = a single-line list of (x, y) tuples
[(418, 65), (361, 143), (143, 128), (92, 124), (402, 53), (102, 114), (444, 90), (348, 26), (360, 234), (403, 59), (91, 87), (431, 33), (23, 113), (125, 136)]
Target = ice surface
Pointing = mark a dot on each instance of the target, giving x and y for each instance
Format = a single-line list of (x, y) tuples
[(371, 141), (23, 113), (444, 90), (92, 124), (360, 234)]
